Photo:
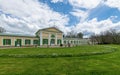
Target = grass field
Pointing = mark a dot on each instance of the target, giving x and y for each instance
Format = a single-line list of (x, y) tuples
[(82, 60)]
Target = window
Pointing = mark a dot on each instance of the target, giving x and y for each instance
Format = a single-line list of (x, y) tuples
[(6, 41), (79, 42), (45, 41), (27, 42), (35, 42), (52, 41), (58, 41), (64, 42), (71, 42), (18, 42), (74, 42), (52, 36)]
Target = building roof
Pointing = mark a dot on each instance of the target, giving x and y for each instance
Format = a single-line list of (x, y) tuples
[(27, 35), (48, 28), (16, 35), (76, 39)]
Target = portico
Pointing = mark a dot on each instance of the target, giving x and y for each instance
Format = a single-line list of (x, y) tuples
[(50, 36)]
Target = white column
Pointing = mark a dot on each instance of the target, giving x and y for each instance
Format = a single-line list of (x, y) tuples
[(67, 42), (49, 38), (23, 41), (31, 41), (56, 39), (41, 38), (2, 41)]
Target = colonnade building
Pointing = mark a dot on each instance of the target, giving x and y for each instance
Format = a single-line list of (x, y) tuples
[(43, 37)]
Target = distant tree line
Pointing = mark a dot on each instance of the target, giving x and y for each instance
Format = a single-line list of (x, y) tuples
[(2, 30), (107, 37), (73, 34)]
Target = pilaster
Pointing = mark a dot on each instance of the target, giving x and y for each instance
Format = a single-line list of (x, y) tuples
[(56, 39), (49, 38), (41, 42)]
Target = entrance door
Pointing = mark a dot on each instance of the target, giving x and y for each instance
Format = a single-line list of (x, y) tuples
[(18, 42), (52, 42)]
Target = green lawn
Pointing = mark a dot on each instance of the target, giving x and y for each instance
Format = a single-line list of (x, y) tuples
[(99, 64)]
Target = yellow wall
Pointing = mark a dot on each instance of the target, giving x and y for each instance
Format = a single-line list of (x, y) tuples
[(13, 39), (46, 33), (52, 30), (59, 35)]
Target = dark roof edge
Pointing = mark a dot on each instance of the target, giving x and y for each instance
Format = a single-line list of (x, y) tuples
[(19, 36)]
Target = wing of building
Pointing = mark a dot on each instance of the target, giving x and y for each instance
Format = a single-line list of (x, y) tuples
[(51, 36), (46, 36)]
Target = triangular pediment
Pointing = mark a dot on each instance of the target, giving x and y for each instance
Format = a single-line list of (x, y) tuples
[(50, 29)]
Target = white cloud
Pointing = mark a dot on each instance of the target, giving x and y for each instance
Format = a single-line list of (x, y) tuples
[(95, 26), (82, 15), (27, 16), (113, 3), (82, 8), (88, 4), (55, 1)]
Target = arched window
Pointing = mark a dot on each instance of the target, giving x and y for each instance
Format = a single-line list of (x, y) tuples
[(52, 36), (65, 42)]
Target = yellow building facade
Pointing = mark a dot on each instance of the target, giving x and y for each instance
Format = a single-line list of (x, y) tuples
[(46, 36), (50, 36)]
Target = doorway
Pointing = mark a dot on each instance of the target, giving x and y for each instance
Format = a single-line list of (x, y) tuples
[(18, 43), (52, 42)]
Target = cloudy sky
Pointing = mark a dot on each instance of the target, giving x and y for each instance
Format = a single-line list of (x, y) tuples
[(87, 16)]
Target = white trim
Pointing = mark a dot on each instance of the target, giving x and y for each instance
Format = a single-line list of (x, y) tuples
[(2, 41), (40, 38), (49, 38), (31, 41), (56, 39)]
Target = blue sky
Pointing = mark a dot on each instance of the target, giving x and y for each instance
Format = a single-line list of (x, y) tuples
[(86, 16), (62, 8)]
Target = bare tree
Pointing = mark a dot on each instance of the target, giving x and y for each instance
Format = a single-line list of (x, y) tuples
[(107, 37), (2, 30), (74, 34), (80, 35)]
